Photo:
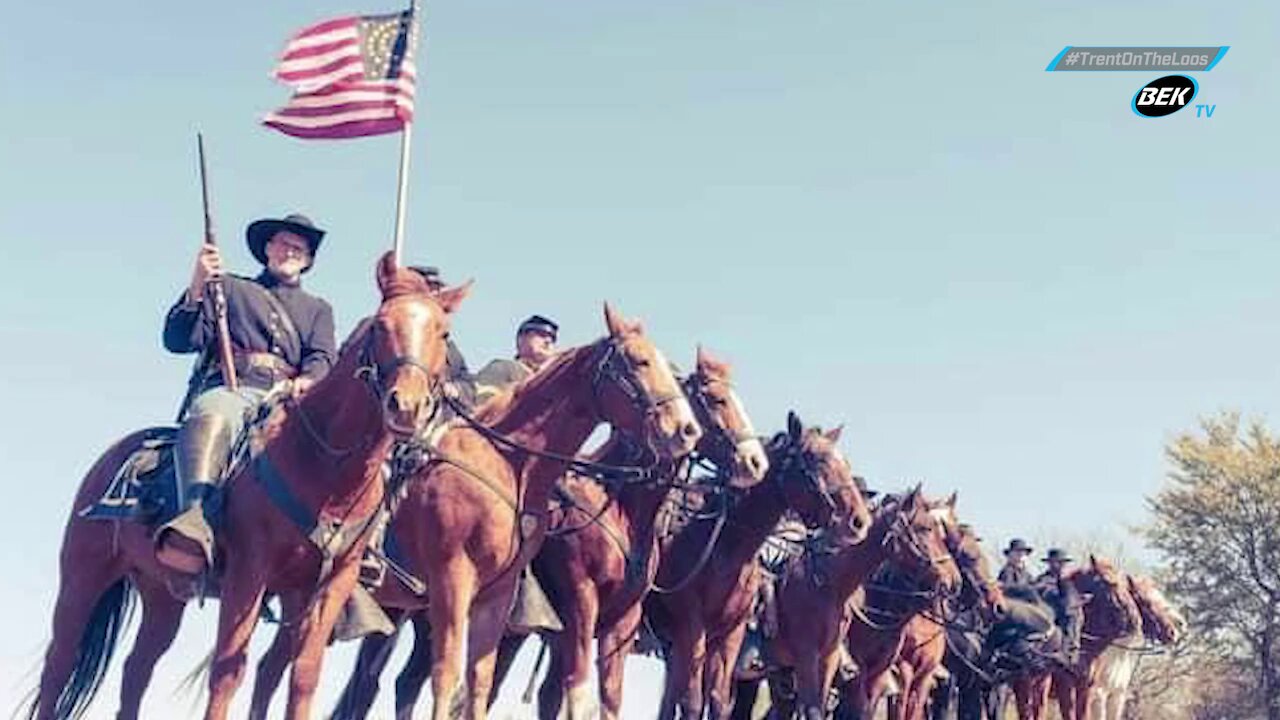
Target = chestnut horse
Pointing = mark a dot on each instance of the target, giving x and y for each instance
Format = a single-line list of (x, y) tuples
[(819, 596), (924, 643), (476, 512), (327, 453), (1110, 614), (600, 566), (1162, 624), (600, 542), (704, 617), (104, 566)]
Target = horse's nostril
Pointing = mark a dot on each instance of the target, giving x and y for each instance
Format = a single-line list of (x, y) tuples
[(689, 430)]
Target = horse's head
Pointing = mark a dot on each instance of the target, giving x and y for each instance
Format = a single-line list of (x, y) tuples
[(730, 440), (1110, 610), (978, 585), (638, 393), (817, 482), (1161, 621), (917, 544), (404, 351)]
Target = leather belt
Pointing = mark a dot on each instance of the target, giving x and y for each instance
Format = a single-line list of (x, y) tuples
[(268, 363), (262, 365)]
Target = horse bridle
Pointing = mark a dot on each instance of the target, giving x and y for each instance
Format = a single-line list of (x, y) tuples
[(727, 441), (901, 534), (372, 373), (375, 372), (614, 366), (969, 568), (796, 456)]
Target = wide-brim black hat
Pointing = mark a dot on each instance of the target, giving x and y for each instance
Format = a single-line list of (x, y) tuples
[(537, 323), (260, 231), (1017, 544), (1056, 554)]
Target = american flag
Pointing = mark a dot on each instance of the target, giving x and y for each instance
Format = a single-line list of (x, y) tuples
[(352, 77)]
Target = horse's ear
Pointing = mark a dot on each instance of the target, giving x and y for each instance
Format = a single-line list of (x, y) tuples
[(451, 298), (614, 321), (911, 499), (1093, 562), (386, 270), (702, 358), (951, 501), (834, 433), (795, 429)]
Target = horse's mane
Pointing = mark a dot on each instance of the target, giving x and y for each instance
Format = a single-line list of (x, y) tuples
[(1149, 591)]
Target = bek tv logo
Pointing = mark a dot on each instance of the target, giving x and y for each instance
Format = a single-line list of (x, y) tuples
[(1164, 96)]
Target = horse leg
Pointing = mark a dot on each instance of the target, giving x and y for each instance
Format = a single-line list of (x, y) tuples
[(694, 701), (276, 659), (722, 660), (579, 615), (813, 676), (488, 622), (241, 598), (362, 687), (1040, 698), (942, 693), (161, 618), (745, 693), (1116, 701), (681, 660), (313, 635), (615, 646), (551, 692), (450, 605), (1062, 691), (416, 669), (90, 592), (508, 648), (782, 696), (915, 695), (1080, 690)]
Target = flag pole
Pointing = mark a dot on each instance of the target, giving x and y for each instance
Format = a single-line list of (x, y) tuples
[(402, 190)]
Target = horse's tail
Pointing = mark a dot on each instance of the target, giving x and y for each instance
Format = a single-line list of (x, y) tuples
[(196, 681), (93, 655)]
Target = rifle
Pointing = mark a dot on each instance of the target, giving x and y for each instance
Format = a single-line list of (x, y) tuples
[(225, 359)]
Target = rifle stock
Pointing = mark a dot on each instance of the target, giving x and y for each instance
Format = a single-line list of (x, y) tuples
[(226, 360)]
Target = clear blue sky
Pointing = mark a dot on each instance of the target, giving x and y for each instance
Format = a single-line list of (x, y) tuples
[(1000, 279)]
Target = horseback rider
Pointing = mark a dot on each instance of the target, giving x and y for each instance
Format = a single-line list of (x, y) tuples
[(535, 347), (1062, 596), (279, 333), (1015, 572)]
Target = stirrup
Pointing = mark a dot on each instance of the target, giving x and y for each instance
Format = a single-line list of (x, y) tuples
[(185, 543)]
